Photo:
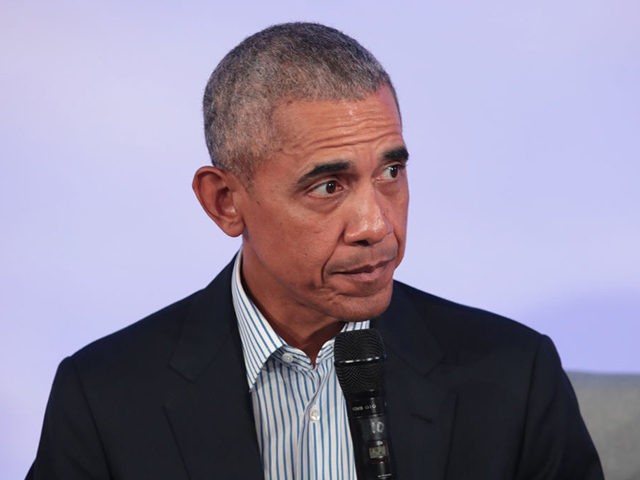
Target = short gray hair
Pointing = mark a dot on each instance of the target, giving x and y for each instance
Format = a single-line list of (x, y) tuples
[(291, 61)]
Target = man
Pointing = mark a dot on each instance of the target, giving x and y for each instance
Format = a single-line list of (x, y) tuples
[(237, 380)]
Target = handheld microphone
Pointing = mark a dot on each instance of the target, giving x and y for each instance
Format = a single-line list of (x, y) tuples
[(359, 360)]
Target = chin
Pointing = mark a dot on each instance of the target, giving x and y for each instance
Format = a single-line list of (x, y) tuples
[(358, 309)]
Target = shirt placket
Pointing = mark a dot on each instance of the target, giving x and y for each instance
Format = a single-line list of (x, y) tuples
[(310, 450)]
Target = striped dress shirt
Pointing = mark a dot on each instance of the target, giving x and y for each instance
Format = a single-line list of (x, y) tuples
[(300, 412)]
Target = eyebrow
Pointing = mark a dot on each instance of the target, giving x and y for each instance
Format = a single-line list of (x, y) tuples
[(323, 169), (399, 154)]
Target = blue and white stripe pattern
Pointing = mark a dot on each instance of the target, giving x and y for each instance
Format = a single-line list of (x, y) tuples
[(300, 412)]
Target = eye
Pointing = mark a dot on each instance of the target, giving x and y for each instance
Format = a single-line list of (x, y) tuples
[(326, 189), (392, 171)]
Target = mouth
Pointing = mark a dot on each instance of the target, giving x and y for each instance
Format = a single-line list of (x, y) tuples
[(369, 268), (370, 273)]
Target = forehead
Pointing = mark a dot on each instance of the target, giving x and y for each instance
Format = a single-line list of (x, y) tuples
[(308, 123)]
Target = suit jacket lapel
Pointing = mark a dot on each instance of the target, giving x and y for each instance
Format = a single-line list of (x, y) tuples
[(211, 416), (420, 411)]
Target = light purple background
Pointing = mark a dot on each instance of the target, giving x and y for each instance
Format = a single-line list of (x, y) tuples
[(523, 124)]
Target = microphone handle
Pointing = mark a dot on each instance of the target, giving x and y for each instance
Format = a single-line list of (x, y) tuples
[(368, 425)]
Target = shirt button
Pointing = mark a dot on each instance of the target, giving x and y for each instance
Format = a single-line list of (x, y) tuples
[(314, 414), (287, 357)]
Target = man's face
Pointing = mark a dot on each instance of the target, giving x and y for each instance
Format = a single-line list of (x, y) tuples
[(325, 217)]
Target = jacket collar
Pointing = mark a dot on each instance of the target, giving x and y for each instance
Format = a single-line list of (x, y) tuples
[(211, 414), (421, 412), (212, 418)]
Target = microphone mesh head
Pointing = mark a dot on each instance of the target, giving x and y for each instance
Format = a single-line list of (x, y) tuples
[(359, 357)]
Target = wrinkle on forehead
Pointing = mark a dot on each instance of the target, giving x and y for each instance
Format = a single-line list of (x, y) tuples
[(340, 123)]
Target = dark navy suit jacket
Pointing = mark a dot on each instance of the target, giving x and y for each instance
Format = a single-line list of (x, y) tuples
[(470, 395)]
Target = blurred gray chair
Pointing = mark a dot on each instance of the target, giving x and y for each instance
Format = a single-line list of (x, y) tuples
[(610, 406)]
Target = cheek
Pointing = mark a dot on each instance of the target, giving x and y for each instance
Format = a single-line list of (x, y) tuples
[(396, 209), (402, 208), (402, 225), (300, 237), (310, 228), (311, 246)]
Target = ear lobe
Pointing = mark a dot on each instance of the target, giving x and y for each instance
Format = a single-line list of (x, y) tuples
[(215, 190)]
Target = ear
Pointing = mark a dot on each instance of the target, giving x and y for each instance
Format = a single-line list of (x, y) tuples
[(215, 190)]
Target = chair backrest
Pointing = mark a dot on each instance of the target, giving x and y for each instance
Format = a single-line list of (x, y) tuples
[(610, 406)]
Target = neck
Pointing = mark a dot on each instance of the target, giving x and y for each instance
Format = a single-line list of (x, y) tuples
[(309, 340), (299, 326), (306, 334)]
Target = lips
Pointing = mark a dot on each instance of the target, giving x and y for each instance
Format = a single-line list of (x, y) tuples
[(367, 279), (369, 268)]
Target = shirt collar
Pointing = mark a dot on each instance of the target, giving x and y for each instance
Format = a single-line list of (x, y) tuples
[(259, 339)]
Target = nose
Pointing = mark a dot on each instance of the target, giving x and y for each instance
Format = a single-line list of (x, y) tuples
[(368, 224)]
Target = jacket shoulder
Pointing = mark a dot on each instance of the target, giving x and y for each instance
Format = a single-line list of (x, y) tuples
[(154, 337), (464, 327), (147, 343)]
